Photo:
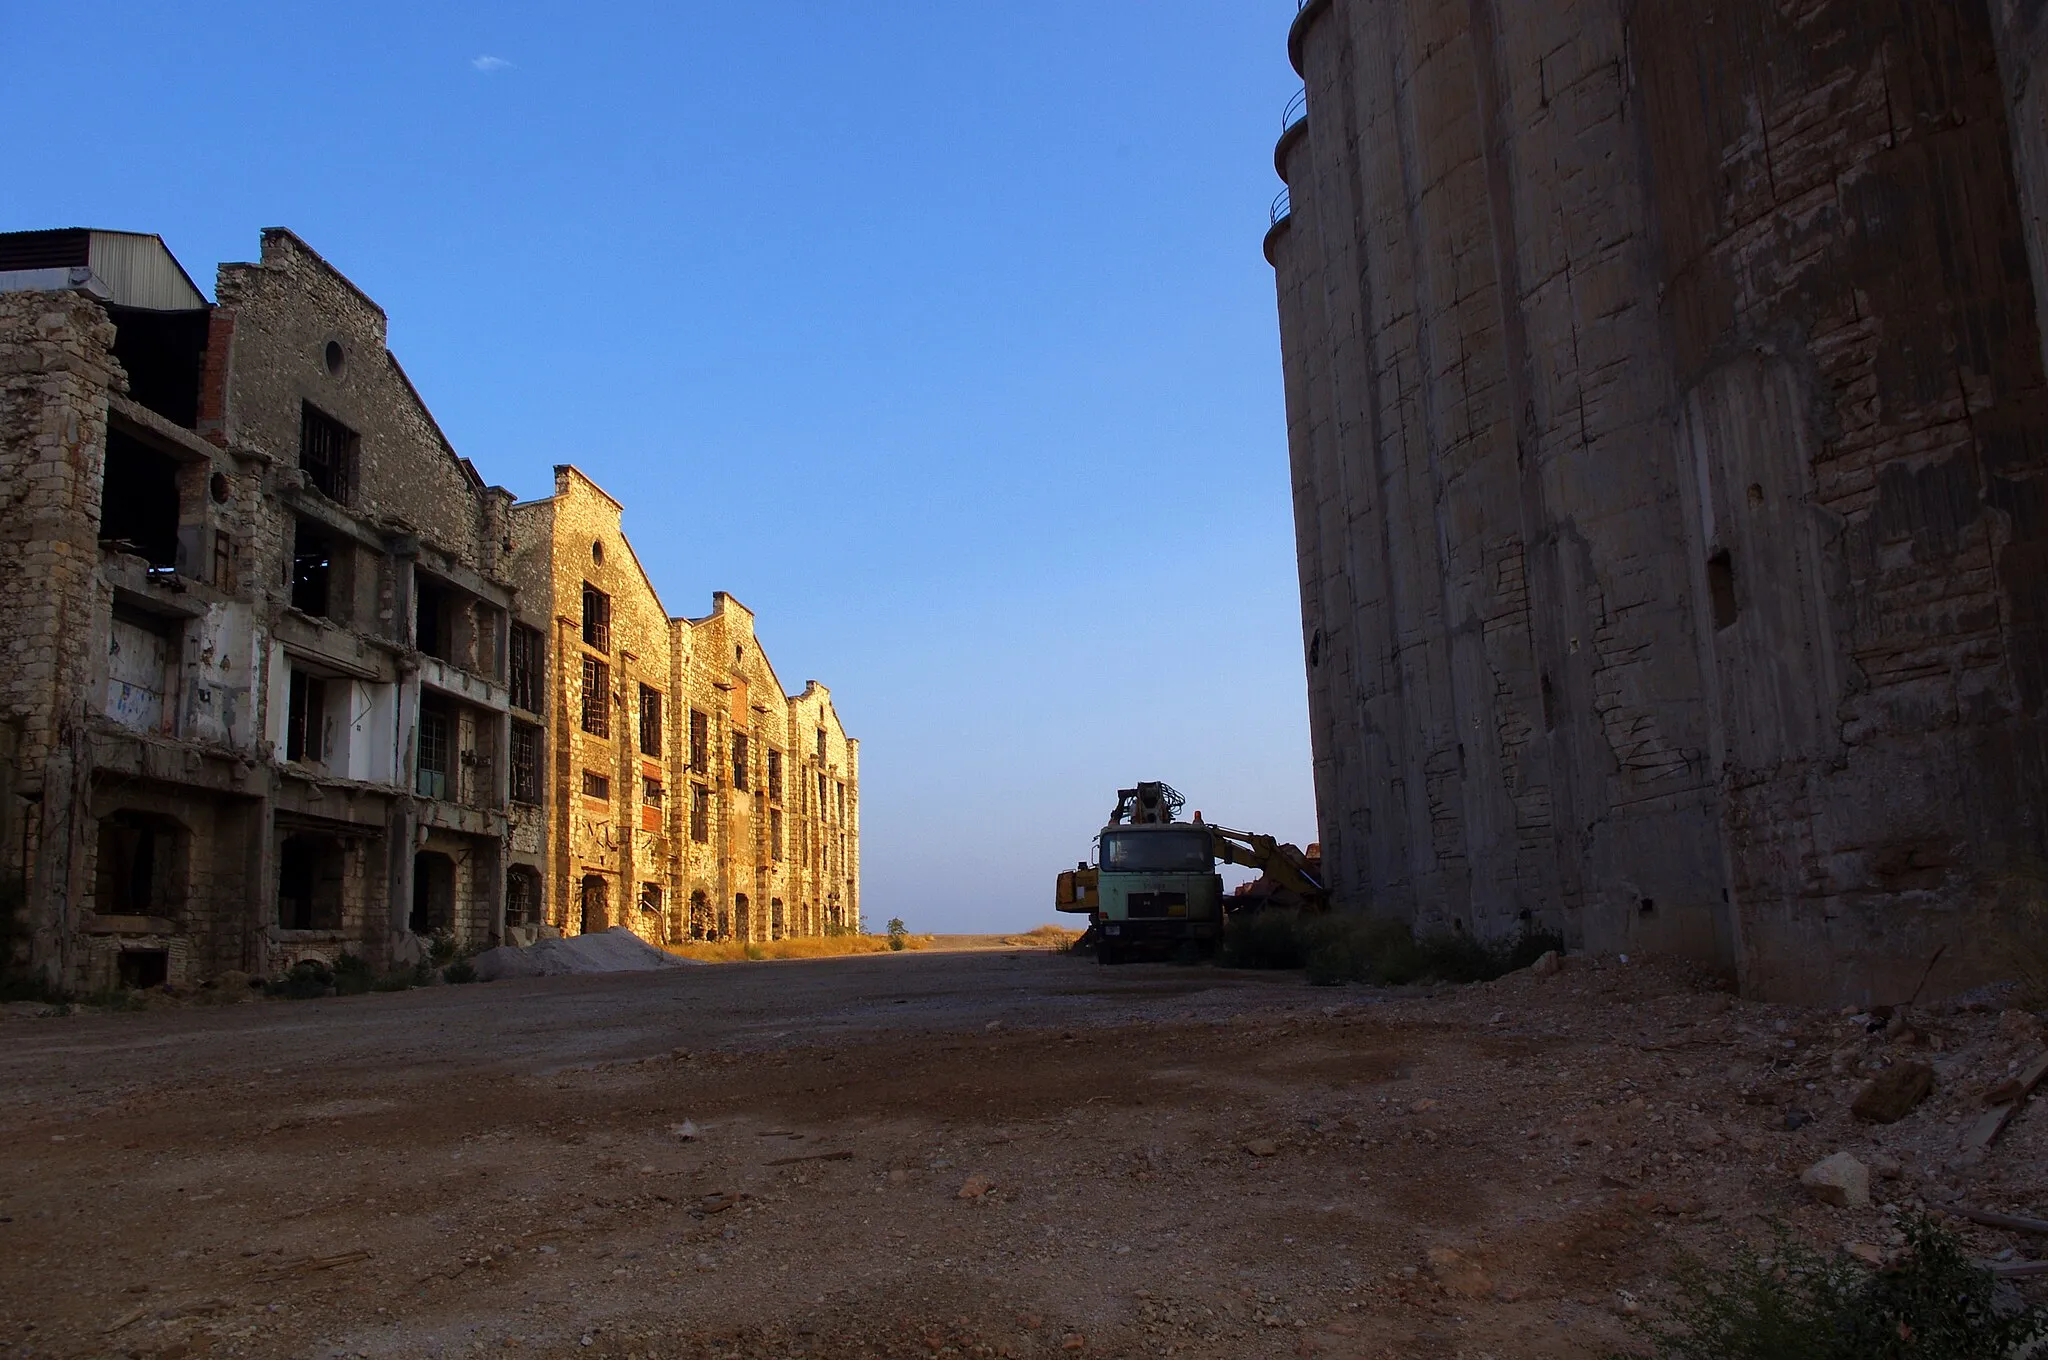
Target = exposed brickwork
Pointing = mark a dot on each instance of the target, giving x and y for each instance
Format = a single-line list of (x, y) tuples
[(1667, 415), (619, 856)]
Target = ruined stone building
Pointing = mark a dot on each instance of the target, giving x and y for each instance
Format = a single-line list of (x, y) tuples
[(1670, 457), (269, 691), (687, 796)]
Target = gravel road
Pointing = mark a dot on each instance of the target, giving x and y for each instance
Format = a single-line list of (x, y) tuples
[(995, 1153)]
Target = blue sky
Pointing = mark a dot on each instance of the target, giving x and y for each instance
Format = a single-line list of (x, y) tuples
[(937, 333)]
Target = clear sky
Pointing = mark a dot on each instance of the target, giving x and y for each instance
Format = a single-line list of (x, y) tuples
[(936, 333)]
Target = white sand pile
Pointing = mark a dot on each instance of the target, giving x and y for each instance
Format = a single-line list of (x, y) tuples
[(617, 950)]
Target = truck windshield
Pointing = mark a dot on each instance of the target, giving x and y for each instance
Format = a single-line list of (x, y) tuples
[(1155, 852)]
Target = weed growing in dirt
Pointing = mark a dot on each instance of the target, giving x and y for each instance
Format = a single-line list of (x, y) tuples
[(1341, 947), (352, 975), (899, 934), (1797, 1305), (400, 981), (460, 971)]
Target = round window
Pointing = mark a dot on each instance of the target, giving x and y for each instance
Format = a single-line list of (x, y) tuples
[(597, 552), (336, 358), (219, 487)]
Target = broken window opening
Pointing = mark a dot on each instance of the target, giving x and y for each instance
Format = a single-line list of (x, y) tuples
[(529, 668), (305, 737), (223, 561), (522, 896), (597, 619), (1721, 589), (139, 871), (312, 567), (433, 629), (433, 763), (139, 506), (140, 969), (700, 814), (310, 871), (701, 924), (525, 763), (739, 761), (742, 917), (650, 721), (821, 746), (164, 355), (774, 918), (774, 775), (597, 695), (650, 897), (327, 453), (700, 742), (433, 893), (596, 785), (651, 792), (775, 834)]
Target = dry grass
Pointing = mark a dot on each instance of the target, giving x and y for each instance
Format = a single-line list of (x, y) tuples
[(830, 947), (1044, 937)]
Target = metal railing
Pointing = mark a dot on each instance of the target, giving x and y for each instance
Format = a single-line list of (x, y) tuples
[(1296, 110), (1283, 207)]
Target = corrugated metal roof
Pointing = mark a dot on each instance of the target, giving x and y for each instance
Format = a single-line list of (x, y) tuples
[(129, 269)]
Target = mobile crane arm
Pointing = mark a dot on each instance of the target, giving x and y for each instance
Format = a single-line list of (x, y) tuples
[(1284, 865)]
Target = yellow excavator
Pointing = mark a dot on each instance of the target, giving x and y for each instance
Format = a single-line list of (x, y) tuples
[(1153, 888)]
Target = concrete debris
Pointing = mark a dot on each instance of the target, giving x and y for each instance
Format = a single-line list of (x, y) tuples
[(974, 1187), (1891, 1095), (1262, 1147), (617, 950), (1840, 1180), (1459, 1274), (1549, 965)]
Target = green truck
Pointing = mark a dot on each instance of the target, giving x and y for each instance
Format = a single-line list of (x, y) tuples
[(1154, 891)]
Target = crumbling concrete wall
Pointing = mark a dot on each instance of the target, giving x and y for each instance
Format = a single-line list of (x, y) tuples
[(1665, 408)]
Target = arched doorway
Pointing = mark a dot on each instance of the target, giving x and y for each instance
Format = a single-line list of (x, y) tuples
[(700, 916), (433, 893), (775, 931), (596, 904), (742, 920)]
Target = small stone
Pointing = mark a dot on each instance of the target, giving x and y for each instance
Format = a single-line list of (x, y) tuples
[(1796, 1120), (1262, 1147), (899, 1177), (2021, 1025), (974, 1187), (1073, 1341), (1839, 1180), (1886, 1168), (1459, 1274), (687, 1131), (1866, 1252), (1891, 1095), (1422, 1106), (1548, 965)]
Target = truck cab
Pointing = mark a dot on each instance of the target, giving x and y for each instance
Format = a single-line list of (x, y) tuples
[(1158, 892)]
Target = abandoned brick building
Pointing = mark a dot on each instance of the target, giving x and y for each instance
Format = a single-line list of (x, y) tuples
[(687, 795), (1669, 439), (269, 690)]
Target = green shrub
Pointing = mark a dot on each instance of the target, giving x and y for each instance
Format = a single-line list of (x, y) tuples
[(1936, 1304), (306, 979), (1338, 947), (402, 980), (462, 970), (899, 934), (352, 976), (441, 949)]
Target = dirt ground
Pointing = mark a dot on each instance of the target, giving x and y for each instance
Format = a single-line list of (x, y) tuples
[(979, 1153)]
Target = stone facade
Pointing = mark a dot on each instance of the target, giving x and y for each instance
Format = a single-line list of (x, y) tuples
[(271, 693), (1670, 457), (680, 778)]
